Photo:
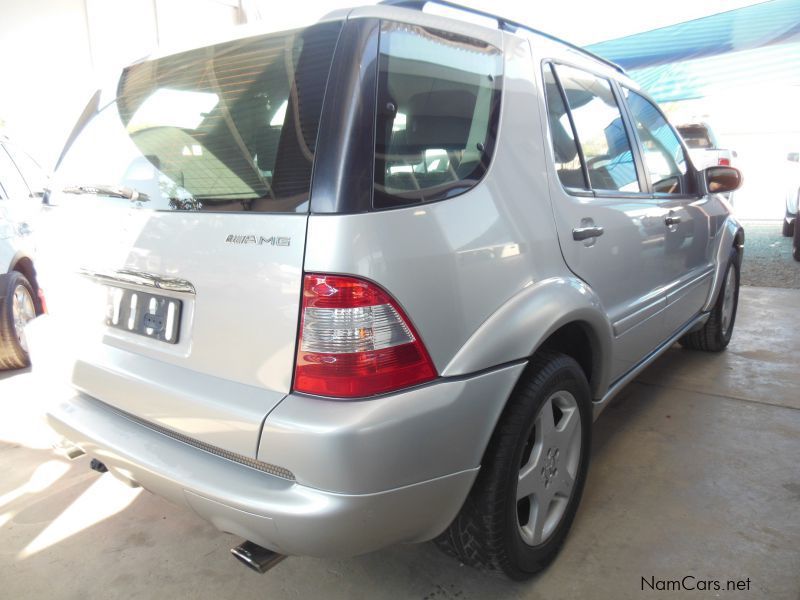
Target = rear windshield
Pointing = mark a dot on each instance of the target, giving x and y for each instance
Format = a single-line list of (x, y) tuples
[(231, 127), (696, 137), (438, 104)]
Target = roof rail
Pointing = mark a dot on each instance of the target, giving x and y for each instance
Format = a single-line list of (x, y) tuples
[(502, 23)]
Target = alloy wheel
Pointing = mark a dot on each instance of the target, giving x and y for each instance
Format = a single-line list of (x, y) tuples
[(548, 468), (23, 311), (728, 299)]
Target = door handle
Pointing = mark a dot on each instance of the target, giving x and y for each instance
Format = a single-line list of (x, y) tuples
[(670, 220), (584, 233)]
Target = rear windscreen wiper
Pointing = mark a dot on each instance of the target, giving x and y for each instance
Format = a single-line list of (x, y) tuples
[(110, 191)]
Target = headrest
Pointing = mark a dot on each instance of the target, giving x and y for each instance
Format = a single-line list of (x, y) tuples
[(440, 119), (563, 145)]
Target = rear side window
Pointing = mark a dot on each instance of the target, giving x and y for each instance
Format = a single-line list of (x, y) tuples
[(662, 151), (600, 129), (230, 127), (438, 103), (696, 137), (565, 148)]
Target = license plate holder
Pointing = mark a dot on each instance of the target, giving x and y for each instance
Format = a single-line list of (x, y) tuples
[(142, 313)]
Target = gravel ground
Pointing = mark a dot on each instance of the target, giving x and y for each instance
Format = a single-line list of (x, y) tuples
[(768, 256)]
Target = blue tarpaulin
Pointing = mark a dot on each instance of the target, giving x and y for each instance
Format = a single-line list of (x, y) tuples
[(755, 45)]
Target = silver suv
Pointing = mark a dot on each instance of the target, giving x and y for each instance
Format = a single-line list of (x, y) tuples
[(371, 281), (21, 188)]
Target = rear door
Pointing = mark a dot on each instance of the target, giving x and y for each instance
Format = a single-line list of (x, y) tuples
[(183, 207), (611, 231), (687, 249)]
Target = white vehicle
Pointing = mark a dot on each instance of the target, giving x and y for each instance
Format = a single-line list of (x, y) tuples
[(703, 146), (792, 193), (20, 297)]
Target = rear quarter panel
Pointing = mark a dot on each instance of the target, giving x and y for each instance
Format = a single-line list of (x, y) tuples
[(454, 265)]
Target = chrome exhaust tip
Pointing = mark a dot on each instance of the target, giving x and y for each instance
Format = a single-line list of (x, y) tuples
[(68, 450), (256, 557)]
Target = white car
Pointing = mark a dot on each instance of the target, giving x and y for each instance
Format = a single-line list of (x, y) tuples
[(792, 194), (703, 146), (21, 298)]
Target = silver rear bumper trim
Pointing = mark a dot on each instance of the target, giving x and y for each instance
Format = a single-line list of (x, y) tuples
[(232, 456)]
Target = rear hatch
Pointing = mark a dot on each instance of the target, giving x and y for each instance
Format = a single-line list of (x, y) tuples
[(174, 244)]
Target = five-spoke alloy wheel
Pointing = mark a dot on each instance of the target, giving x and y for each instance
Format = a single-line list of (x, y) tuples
[(522, 505), (549, 467), (717, 331), (23, 311), (17, 309)]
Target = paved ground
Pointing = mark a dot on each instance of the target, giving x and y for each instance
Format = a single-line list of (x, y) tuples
[(695, 472), (768, 258)]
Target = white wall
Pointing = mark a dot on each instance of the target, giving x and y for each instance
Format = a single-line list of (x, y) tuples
[(55, 53), (762, 125), (45, 70)]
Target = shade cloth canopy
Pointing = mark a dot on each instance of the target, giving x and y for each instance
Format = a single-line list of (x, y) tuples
[(754, 45)]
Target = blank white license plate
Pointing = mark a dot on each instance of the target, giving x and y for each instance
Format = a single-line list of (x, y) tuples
[(142, 313)]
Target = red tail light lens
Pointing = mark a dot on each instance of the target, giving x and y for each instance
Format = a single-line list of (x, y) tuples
[(42, 301), (355, 341), (724, 162)]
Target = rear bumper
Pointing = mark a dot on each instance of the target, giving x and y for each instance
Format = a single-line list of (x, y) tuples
[(276, 513), (292, 517)]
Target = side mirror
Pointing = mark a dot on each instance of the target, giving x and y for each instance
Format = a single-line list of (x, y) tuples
[(722, 179), (793, 156)]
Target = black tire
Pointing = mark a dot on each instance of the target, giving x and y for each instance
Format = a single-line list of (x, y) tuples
[(486, 533), (12, 354), (714, 336), (796, 240), (788, 228)]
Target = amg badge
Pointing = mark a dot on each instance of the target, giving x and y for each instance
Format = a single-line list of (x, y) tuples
[(259, 239)]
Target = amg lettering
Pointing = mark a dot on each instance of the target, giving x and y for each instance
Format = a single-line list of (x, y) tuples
[(259, 240)]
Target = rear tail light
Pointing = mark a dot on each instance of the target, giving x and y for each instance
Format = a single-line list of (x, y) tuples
[(355, 341), (42, 301), (724, 162)]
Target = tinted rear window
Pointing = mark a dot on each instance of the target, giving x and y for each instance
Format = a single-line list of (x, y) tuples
[(231, 127), (696, 137), (438, 104), (565, 148)]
